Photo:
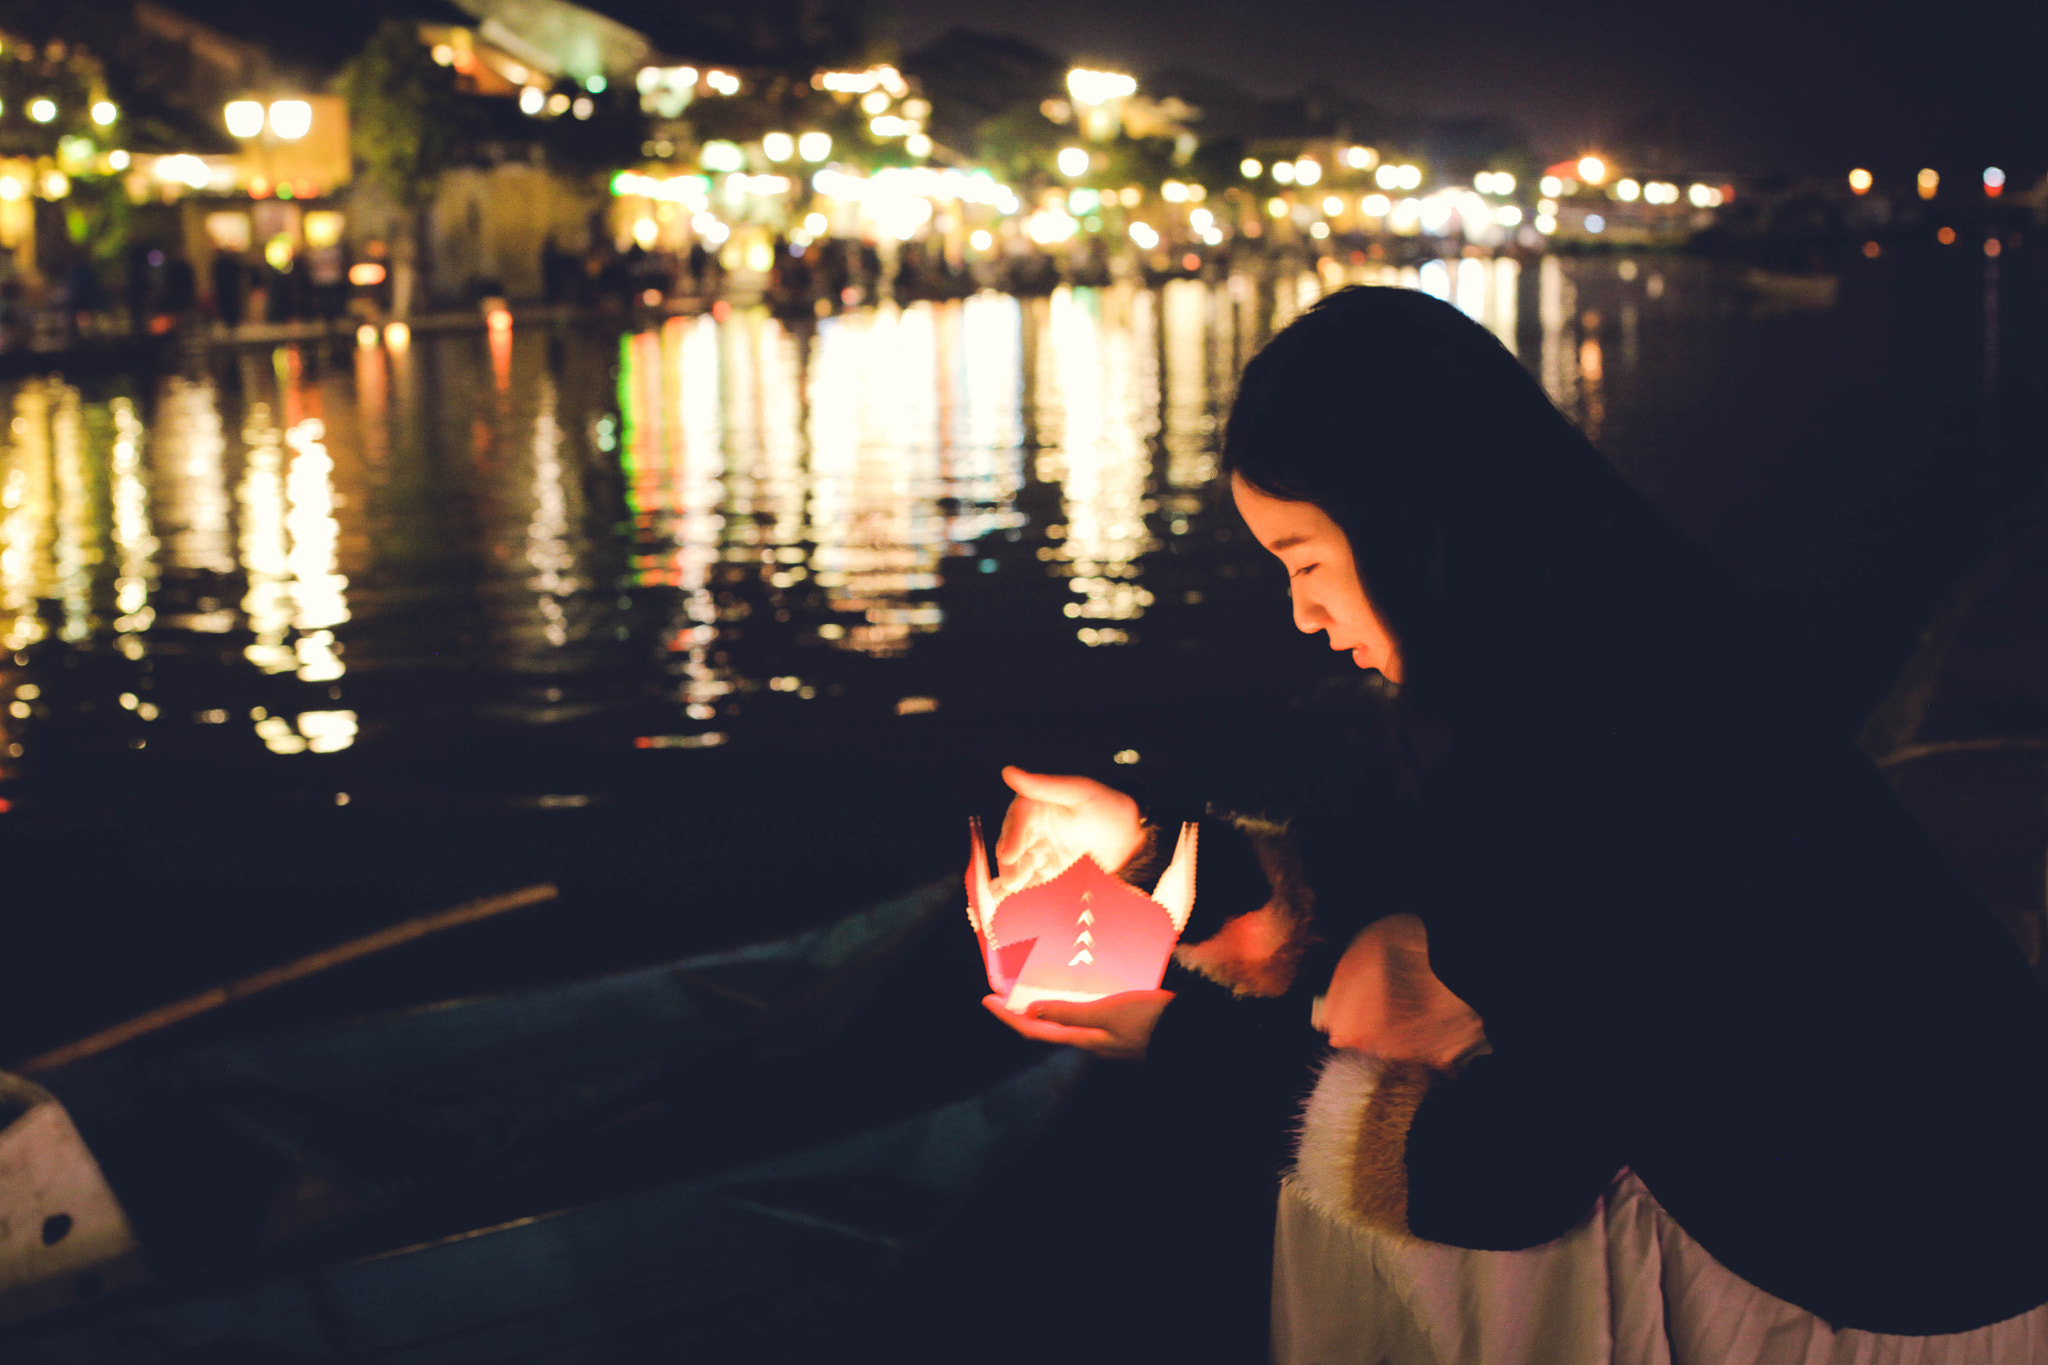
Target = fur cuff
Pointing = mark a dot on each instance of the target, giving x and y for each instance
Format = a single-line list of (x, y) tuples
[(1256, 953), (1351, 1160), (1252, 954)]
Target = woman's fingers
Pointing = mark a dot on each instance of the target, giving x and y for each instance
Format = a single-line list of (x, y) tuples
[(1044, 1031), (1096, 1014), (1038, 862), (1051, 788), (1124, 1021), (1034, 842), (1023, 819)]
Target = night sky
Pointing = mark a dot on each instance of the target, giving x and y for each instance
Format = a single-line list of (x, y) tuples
[(1765, 87)]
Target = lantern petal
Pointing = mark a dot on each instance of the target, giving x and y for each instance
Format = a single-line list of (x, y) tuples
[(1176, 889), (981, 895), (1006, 964)]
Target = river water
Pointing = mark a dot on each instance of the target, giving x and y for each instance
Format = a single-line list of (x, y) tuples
[(300, 638)]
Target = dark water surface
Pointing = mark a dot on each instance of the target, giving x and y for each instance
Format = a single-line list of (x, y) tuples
[(724, 625)]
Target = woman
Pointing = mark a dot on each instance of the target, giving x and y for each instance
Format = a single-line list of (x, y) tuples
[(1641, 958)]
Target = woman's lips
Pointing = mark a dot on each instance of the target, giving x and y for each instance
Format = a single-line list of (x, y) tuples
[(1361, 655)]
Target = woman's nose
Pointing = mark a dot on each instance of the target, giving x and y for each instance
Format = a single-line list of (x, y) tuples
[(1308, 616)]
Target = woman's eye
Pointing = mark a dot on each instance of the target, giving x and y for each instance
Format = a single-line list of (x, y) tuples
[(1303, 571)]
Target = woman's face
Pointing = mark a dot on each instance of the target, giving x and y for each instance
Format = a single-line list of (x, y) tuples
[(1322, 578)]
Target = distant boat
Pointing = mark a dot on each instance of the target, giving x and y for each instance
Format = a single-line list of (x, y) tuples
[(412, 1124), (1789, 290)]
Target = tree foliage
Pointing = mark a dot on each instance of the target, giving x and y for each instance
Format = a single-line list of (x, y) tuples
[(66, 74), (1020, 145), (404, 113)]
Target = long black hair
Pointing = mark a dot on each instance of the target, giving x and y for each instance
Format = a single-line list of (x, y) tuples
[(1520, 576)]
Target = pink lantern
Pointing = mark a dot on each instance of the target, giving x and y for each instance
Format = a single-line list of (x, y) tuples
[(1079, 935)]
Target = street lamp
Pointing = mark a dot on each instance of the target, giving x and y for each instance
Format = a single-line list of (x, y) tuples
[(244, 118), (291, 119), (1099, 87), (104, 112), (42, 110), (1073, 162)]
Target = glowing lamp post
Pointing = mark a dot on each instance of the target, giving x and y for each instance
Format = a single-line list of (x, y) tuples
[(244, 118), (251, 123), (291, 119), (1097, 93), (1082, 934)]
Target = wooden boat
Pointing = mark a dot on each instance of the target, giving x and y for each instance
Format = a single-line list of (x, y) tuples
[(638, 1272), (417, 1123), (470, 1079)]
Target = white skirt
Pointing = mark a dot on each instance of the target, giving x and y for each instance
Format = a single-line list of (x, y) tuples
[(1625, 1287)]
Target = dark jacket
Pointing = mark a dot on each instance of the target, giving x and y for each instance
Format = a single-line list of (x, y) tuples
[(1735, 965)]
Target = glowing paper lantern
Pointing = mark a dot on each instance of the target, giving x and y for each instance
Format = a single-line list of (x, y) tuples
[(1079, 935)]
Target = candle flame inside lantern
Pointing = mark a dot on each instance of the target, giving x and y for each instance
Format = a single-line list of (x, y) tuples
[(1079, 935)]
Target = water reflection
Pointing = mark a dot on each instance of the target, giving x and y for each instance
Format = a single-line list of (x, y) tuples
[(1563, 367), (548, 551), (26, 536), (190, 473), (874, 518), (677, 538), (806, 484), (1096, 405), (135, 543), (1196, 331)]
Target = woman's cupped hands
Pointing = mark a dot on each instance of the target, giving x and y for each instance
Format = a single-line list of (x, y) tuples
[(1052, 821)]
